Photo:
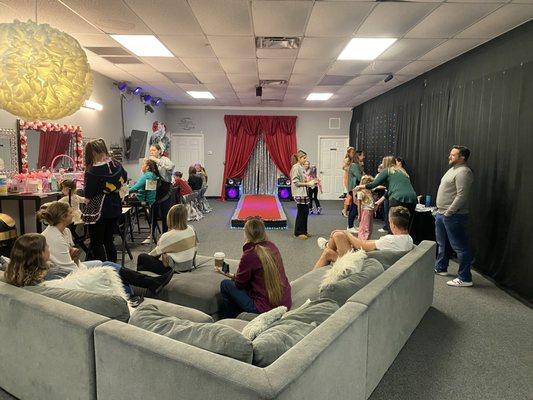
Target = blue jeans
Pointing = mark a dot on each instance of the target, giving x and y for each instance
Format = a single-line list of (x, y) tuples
[(386, 215), (235, 300), (451, 234), (115, 266)]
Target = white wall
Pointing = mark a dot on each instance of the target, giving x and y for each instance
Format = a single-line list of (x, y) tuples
[(210, 122)]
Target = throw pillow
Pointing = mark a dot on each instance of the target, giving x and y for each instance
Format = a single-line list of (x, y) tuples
[(114, 307), (387, 258), (216, 338), (345, 288), (312, 311), (262, 322), (278, 339), (348, 264)]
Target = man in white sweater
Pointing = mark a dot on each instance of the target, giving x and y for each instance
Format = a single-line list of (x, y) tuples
[(451, 220)]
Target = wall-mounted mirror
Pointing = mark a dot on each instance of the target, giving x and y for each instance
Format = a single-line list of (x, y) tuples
[(9, 157)]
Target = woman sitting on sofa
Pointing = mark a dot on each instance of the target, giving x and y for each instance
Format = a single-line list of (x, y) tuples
[(341, 241), (260, 283), (175, 249), (63, 254)]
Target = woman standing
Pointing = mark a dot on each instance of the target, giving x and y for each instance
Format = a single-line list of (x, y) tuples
[(400, 191), (299, 185), (103, 179), (164, 201), (312, 191), (348, 160), (260, 283)]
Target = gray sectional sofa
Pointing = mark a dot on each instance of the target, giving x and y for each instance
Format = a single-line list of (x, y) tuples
[(53, 350)]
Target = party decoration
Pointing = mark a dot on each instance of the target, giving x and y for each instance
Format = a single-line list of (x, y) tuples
[(44, 73), (159, 136)]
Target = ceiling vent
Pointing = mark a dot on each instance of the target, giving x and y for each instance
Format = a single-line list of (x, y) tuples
[(277, 43), (272, 82)]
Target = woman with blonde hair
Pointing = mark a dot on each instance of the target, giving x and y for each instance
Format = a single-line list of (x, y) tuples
[(260, 283), (299, 185), (400, 191)]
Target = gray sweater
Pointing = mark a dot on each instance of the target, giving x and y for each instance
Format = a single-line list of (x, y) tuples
[(454, 190)]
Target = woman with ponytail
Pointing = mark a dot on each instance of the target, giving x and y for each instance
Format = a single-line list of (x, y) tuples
[(299, 185), (260, 283)]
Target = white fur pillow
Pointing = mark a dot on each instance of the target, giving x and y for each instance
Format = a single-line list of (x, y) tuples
[(103, 280), (348, 264), (262, 322)]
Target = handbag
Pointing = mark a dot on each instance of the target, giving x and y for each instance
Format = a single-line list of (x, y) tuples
[(93, 209)]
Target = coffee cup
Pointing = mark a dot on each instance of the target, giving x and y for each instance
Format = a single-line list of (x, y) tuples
[(219, 259)]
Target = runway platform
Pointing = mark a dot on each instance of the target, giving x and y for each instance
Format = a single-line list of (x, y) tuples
[(265, 206)]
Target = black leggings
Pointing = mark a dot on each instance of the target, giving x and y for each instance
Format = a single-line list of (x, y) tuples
[(146, 262), (300, 225), (102, 245), (410, 206), (313, 195)]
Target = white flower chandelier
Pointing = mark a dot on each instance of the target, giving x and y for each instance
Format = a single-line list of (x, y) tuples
[(44, 73)]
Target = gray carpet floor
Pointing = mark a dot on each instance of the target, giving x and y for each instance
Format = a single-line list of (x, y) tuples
[(473, 343)]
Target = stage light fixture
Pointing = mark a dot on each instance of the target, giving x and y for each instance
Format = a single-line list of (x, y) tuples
[(146, 98), (388, 78), (137, 91), (122, 86), (157, 102), (284, 193), (148, 108)]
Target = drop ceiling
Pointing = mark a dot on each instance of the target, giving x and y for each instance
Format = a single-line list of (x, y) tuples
[(214, 49)]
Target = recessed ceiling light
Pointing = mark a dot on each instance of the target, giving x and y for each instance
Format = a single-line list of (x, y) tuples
[(319, 96), (143, 45), (200, 95), (365, 49)]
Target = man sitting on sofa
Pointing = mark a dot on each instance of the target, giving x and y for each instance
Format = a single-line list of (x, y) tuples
[(343, 241)]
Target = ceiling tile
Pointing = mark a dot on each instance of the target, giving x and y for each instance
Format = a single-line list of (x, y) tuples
[(348, 67), (192, 87), (223, 17), (165, 64), (334, 80), (108, 50), (274, 66), (243, 79), (54, 14), (277, 53), (206, 77), (384, 67), (166, 17), (239, 66), (96, 40), (336, 18), (313, 67), (233, 46), (181, 77), (451, 49), (123, 60), (274, 77), (449, 19), (280, 18), (352, 90), (418, 67), (393, 19), (322, 48), (188, 46), (202, 65), (245, 87), (409, 49), (304, 79), (365, 80), (109, 16), (499, 22), (273, 93), (115, 73)]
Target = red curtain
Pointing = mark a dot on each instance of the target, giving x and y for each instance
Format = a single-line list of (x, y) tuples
[(242, 132), (52, 144)]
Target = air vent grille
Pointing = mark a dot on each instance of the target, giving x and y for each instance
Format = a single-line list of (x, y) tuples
[(284, 43)]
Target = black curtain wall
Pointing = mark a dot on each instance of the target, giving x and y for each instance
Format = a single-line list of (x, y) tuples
[(482, 100)]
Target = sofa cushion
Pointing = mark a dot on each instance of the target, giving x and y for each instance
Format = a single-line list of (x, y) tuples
[(278, 339), (262, 322), (217, 338), (110, 306), (345, 288), (312, 311), (182, 312), (387, 258), (237, 324), (306, 286)]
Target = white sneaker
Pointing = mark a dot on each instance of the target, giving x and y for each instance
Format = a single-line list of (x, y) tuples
[(148, 240), (352, 230), (322, 243), (459, 283), (381, 230)]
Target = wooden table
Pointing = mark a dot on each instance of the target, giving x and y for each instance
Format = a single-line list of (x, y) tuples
[(38, 198)]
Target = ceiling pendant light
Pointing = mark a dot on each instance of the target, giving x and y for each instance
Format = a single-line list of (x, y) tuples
[(44, 73)]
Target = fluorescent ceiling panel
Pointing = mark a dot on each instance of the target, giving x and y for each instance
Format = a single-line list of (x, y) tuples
[(319, 96), (365, 48), (200, 95), (143, 45)]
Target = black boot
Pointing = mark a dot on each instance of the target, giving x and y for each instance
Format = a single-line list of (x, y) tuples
[(153, 283)]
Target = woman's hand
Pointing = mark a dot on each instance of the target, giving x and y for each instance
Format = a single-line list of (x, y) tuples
[(227, 274)]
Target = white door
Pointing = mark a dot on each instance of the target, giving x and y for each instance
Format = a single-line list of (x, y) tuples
[(187, 149), (331, 152)]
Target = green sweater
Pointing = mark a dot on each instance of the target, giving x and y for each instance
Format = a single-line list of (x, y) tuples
[(355, 172), (398, 185), (140, 187)]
